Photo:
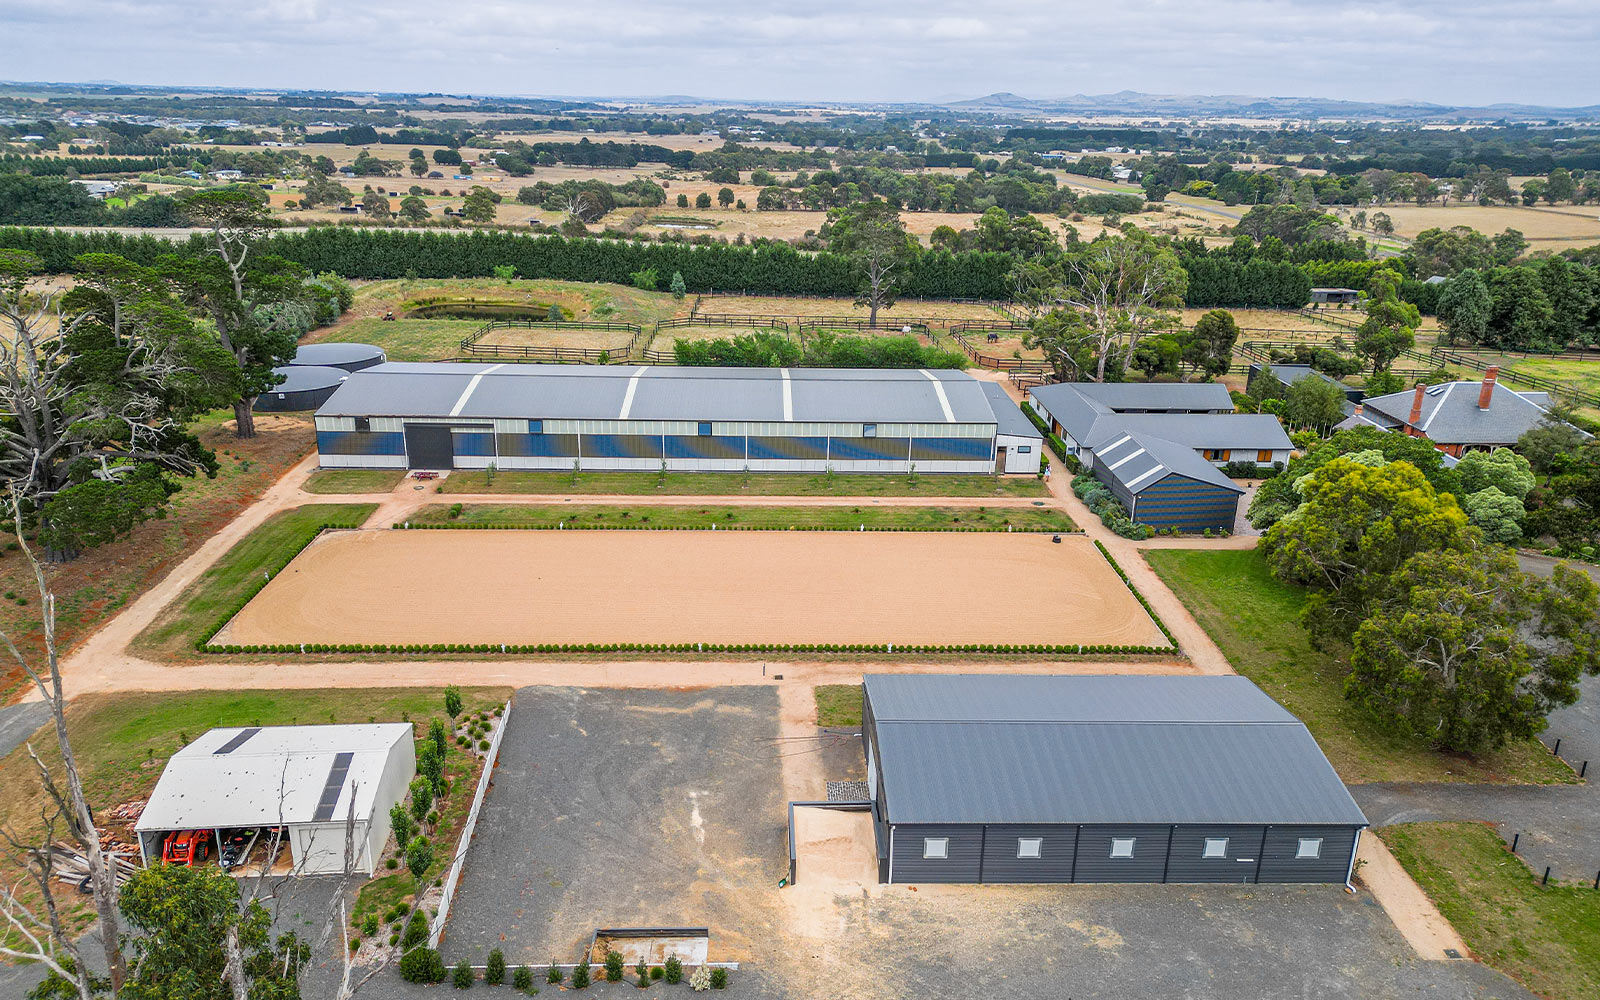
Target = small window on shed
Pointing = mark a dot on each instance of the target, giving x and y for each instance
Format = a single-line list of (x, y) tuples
[(1024, 449), (936, 848), (363, 423), (1310, 848), (1122, 847), (705, 429), (1030, 847), (536, 427), (1216, 847), (869, 430)]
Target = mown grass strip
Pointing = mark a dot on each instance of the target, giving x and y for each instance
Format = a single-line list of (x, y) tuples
[(742, 484), (353, 480), (731, 518), (230, 582)]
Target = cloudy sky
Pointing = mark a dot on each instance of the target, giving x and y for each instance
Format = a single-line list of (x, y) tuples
[(1446, 51)]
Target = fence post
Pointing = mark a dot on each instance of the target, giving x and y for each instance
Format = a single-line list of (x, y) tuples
[(1514, 839), (1546, 879)]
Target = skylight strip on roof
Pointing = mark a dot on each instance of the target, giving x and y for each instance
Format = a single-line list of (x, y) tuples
[(1124, 461), (633, 387), (1133, 484), (788, 396), (472, 387), (239, 739), (335, 784), (944, 401)]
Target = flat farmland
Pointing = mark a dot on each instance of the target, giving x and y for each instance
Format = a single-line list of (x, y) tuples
[(801, 308), (521, 587), (1548, 227), (573, 338)]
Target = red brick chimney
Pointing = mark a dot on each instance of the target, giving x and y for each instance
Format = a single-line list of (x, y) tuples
[(1416, 404), (1487, 392)]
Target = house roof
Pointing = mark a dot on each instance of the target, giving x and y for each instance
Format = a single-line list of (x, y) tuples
[(1451, 415), (1009, 419), (1290, 374), (1097, 749), (273, 776), (1168, 397), (1246, 431), (661, 392), (1137, 461)]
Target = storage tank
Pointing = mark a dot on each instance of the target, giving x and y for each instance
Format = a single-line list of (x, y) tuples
[(350, 357), (305, 387)]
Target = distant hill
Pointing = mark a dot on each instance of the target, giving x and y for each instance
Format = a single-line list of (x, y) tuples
[(1130, 102)]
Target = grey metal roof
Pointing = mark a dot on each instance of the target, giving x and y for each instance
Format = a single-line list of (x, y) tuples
[(1138, 461), (659, 392), (1009, 419), (336, 354), (1113, 749), (299, 378), (1451, 415), (1170, 397), (1246, 431), (1290, 374)]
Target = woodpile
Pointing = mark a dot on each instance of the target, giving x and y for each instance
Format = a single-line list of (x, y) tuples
[(69, 865)]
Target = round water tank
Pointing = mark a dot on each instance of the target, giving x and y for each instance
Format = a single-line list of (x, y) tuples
[(304, 387), (350, 357)]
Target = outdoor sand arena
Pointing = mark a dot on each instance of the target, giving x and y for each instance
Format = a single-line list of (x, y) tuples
[(396, 586)]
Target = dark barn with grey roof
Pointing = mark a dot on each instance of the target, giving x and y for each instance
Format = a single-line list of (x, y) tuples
[(1035, 778), (1165, 484), (649, 417)]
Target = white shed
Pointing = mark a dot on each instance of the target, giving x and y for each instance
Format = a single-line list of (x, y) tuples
[(307, 779)]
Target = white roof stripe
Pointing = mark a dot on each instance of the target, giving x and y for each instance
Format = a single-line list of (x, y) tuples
[(1134, 484), (1127, 458), (944, 401), (788, 395), (633, 387), (472, 386), (1437, 406)]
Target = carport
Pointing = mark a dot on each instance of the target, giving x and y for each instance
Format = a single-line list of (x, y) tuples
[(312, 781)]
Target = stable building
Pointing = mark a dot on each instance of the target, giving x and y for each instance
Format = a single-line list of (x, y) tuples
[(443, 416), (1199, 415), (1034, 778), (312, 781), (1166, 485)]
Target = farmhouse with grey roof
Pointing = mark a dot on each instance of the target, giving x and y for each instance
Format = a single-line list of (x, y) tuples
[(1031, 778), (648, 417), (1459, 416)]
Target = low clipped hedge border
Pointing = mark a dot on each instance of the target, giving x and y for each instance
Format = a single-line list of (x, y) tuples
[(1148, 609), (1051, 437), (619, 526), (203, 644), (1012, 649)]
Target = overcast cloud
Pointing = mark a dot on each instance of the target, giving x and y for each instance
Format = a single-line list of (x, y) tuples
[(1457, 52)]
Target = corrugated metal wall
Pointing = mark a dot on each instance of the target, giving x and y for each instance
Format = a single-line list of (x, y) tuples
[(1180, 502)]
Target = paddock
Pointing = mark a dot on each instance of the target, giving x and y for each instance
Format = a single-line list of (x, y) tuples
[(600, 586)]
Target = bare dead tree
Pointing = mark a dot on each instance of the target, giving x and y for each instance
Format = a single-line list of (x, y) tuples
[(1122, 289), (351, 981), (45, 939), (70, 803)]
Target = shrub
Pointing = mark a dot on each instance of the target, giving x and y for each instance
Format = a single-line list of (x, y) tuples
[(719, 979), (674, 968), (522, 978), (369, 926), (580, 975), (422, 965), (554, 975), (700, 980), (643, 972), (656, 972), (613, 966), (494, 972), (416, 932), (463, 975)]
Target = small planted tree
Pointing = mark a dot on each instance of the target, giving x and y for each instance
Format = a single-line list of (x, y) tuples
[(674, 967), (430, 764), (679, 289), (700, 980), (553, 975), (401, 823), (452, 694), (494, 972), (419, 858), (580, 974), (522, 978), (422, 965), (421, 798), (613, 966), (643, 972), (719, 979), (463, 976), (439, 734)]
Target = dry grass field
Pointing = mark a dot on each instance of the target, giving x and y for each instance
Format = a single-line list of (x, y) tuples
[(799, 308), (615, 341), (692, 586), (1557, 227)]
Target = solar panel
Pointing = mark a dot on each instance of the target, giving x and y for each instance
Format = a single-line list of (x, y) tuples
[(331, 790), (239, 740)]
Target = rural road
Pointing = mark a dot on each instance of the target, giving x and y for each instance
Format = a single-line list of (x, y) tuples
[(20, 721)]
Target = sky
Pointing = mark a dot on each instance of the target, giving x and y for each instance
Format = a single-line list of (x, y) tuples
[(1458, 52)]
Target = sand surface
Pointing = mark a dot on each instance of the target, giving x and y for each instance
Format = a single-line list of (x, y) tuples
[(388, 586)]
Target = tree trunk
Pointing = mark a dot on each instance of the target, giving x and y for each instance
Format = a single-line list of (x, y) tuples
[(244, 414)]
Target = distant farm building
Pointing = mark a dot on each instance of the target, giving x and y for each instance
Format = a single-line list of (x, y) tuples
[(1090, 415), (1335, 296), (523, 416)]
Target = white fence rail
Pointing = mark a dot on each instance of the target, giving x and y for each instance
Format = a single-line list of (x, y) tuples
[(436, 929)]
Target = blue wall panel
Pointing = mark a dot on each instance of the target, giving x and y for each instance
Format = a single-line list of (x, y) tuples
[(361, 442)]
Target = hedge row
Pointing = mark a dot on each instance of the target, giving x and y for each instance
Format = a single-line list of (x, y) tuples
[(1148, 609), (684, 647), (1051, 437), (458, 526), (204, 643)]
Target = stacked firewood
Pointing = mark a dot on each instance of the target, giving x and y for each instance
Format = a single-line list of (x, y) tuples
[(69, 865)]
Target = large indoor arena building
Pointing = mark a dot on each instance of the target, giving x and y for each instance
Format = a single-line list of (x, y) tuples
[(444, 416)]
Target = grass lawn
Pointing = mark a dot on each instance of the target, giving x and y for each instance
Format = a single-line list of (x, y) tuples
[(100, 582), (123, 741), (831, 518), (1547, 938), (407, 339), (1582, 375), (838, 704), (235, 576), (1253, 618), (778, 484), (353, 480)]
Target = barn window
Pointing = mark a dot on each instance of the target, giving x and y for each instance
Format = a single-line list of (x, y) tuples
[(1122, 847), (1216, 847), (1310, 848), (1024, 449), (536, 427), (869, 430), (363, 424), (1030, 847), (936, 848), (705, 428)]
